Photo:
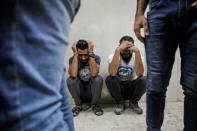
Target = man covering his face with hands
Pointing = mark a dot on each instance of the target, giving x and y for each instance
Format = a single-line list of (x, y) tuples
[(126, 80)]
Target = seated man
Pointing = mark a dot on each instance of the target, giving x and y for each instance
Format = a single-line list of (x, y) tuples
[(126, 80), (84, 83)]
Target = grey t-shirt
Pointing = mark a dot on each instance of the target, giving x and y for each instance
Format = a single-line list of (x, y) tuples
[(84, 69)]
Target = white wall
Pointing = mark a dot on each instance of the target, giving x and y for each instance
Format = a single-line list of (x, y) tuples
[(105, 22)]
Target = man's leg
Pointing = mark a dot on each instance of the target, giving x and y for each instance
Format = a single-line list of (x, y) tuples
[(139, 89), (74, 88), (190, 110), (96, 85), (113, 85), (96, 89), (159, 72), (33, 43), (65, 106), (160, 46), (188, 50)]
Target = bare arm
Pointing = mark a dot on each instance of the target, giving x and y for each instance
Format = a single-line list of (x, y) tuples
[(141, 7), (73, 67), (94, 67), (113, 66), (140, 20), (139, 68)]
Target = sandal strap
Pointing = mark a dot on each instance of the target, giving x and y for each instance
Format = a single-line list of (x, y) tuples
[(76, 109)]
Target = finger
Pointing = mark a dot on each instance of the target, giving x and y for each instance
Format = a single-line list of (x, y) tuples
[(90, 42), (145, 25), (138, 34), (141, 39), (194, 4)]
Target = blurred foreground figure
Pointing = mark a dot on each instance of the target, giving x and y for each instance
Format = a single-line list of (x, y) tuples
[(33, 40), (169, 24)]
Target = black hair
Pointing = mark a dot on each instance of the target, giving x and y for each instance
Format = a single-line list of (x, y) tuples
[(126, 38), (82, 44)]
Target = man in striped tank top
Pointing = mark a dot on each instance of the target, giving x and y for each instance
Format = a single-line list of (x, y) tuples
[(126, 80)]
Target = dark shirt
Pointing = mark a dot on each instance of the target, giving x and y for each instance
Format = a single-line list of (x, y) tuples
[(84, 68)]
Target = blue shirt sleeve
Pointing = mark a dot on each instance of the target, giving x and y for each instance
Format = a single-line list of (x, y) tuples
[(70, 60), (97, 59)]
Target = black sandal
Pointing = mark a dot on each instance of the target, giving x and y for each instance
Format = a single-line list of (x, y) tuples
[(97, 110), (76, 110)]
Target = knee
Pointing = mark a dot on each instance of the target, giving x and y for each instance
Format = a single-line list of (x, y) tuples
[(142, 83), (155, 86), (190, 92), (156, 90), (142, 80), (156, 93), (71, 80), (98, 79), (111, 79)]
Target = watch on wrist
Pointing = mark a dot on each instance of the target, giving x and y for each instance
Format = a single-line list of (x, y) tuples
[(75, 53), (91, 54)]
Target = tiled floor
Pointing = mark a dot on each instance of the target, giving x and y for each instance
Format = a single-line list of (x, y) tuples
[(128, 121)]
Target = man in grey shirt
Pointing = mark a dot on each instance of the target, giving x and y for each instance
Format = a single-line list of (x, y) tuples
[(85, 83)]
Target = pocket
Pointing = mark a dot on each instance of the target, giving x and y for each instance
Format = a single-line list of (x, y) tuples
[(154, 4)]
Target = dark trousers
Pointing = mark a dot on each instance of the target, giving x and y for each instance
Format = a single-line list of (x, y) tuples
[(85, 92), (125, 90), (172, 23)]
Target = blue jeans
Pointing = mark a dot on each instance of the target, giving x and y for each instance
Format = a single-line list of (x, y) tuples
[(172, 23), (65, 106), (33, 40)]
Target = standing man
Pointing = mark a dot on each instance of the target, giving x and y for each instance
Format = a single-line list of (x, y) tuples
[(34, 36), (85, 83), (126, 80), (169, 24)]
